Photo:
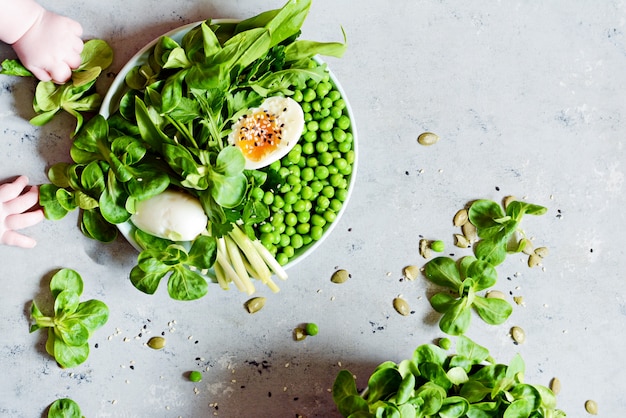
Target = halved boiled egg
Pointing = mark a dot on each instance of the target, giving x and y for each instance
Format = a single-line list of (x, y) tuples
[(173, 215), (267, 133)]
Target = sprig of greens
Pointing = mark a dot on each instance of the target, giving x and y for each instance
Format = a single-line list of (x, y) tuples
[(75, 96), (497, 229), (64, 408), (434, 383), (72, 322)]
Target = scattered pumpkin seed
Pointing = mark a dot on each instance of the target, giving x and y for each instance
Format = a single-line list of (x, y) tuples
[(542, 252), (156, 343), (518, 335), (507, 200), (518, 300), (255, 304), (591, 407), (460, 241), (460, 218), (424, 248), (534, 260), (437, 246), (428, 138), (340, 276), (401, 306), (555, 385), (469, 231), (495, 294), (411, 272), (299, 334), (445, 343), (526, 245)]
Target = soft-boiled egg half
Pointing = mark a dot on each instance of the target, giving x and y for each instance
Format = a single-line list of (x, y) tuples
[(173, 215), (267, 133)]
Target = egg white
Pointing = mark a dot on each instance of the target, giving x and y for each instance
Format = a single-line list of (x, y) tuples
[(172, 214), (289, 117)]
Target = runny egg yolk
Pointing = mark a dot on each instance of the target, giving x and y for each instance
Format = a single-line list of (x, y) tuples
[(259, 134), (267, 133)]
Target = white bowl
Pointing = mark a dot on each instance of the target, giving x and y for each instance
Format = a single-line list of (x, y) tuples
[(118, 88)]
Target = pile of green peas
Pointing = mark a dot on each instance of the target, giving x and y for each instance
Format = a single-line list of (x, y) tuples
[(313, 177)]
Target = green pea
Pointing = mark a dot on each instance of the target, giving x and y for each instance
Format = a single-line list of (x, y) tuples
[(335, 205), (311, 329), (312, 126), (283, 172), (342, 193), (303, 228), (344, 146), (328, 191), (290, 198), (290, 230), (339, 135), (330, 216), (284, 240), (327, 102), (294, 156), (278, 218), (308, 95), (327, 137), (304, 216), (350, 156), (307, 193), (321, 146), (289, 251), (316, 105), (312, 162), (297, 96), (321, 172), (347, 171), (343, 122), (341, 163), (266, 227), (334, 95), (317, 116), (299, 206), (306, 108), (327, 124), (296, 241), (279, 202), (323, 202), (291, 219), (316, 232), (306, 239), (308, 148), (267, 238), (293, 179), (195, 376), (335, 112), (307, 174), (323, 89), (282, 258), (340, 103), (325, 158), (332, 170), (256, 193), (309, 137), (325, 112), (335, 180), (318, 220), (317, 186)]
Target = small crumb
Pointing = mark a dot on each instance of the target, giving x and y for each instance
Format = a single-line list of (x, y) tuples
[(339, 364), (332, 298), (284, 388), (114, 401), (127, 381), (190, 337), (126, 339), (441, 170), (286, 364), (167, 407), (319, 290), (122, 366)]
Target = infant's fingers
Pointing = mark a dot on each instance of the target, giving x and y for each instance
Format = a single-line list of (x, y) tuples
[(40, 73), (60, 73), (17, 240), (22, 203), (23, 220), (9, 191)]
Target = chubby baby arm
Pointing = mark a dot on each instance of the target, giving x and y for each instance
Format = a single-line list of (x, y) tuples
[(15, 213), (48, 44)]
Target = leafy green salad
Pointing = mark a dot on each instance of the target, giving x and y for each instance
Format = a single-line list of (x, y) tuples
[(183, 123)]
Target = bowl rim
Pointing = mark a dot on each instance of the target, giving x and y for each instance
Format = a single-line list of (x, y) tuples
[(118, 87)]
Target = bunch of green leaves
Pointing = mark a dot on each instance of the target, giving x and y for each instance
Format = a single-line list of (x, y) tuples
[(77, 95), (72, 322), (497, 228), (64, 408), (434, 383), (165, 258)]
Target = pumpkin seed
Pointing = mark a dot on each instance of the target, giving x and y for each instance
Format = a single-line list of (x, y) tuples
[(401, 306), (156, 343), (518, 300), (340, 276), (254, 305), (469, 231), (518, 335), (507, 200), (591, 407), (411, 272), (460, 218), (495, 294), (299, 334), (428, 138), (534, 260), (460, 241), (424, 248), (542, 252), (527, 246), (555, 385)]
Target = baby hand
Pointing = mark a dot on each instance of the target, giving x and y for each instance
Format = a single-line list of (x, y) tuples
[(51, 48), (13, 212)]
